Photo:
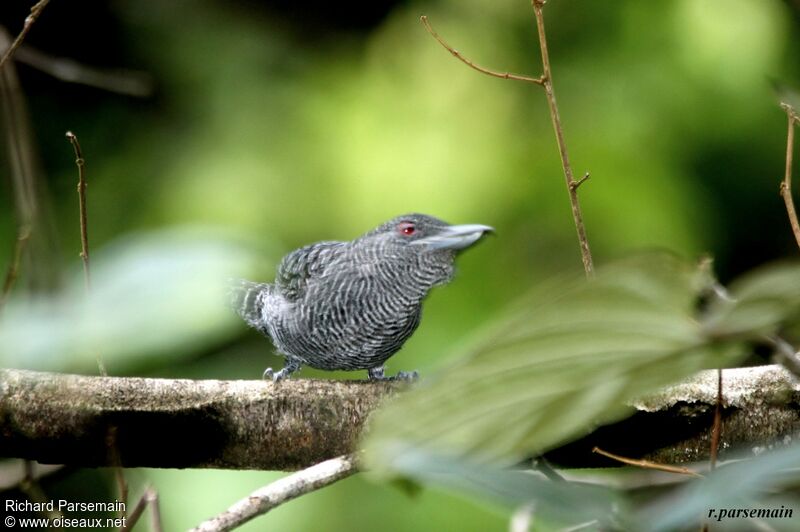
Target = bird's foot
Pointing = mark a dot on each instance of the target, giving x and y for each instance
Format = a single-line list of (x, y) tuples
[(270, 375), (377, 374), (290, 368)]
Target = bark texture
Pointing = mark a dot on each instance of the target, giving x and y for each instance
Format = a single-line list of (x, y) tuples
[(761, 409), (137, 422)]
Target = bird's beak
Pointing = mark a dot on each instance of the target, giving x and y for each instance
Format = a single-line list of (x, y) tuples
[(455, 236)]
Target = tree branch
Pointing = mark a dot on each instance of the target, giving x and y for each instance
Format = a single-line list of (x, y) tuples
[(55, 418), (762, 408), (265, 499)]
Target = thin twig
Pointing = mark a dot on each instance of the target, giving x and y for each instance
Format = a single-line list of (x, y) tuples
[(36, 10), (716, 430), (80, 163), (121, 81), (114, 458), (460, 57), (122, 489), (13, 268), (646, 464), (265, 499), (119, 475), (545, 81), (84, 254), (572, 184), (575, 184), (155, 511), (33, 490), (786, 184), (148, 498)]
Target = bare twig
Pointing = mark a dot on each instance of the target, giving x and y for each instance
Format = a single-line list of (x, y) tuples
[(13, 268), (122, 488), (265, 499), (119, 475), (155, 511), (36, 10), (30, 199), (460, 57), (114, 458), (647, 464), (148, 499), (786, 184), (545, 81), (572, 184), (121, 81), (33, 490), (84, 226), (80, 163), (716, 430), (12, 472), (575, 184)]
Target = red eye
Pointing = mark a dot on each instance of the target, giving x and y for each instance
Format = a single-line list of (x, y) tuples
[(406, 228)]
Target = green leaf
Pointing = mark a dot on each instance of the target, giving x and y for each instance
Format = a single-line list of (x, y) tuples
[(741, 485), (760, 302), (564, 361), (557, 503), (153, 295)]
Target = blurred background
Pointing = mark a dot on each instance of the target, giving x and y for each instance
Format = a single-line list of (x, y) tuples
[(257, 127)]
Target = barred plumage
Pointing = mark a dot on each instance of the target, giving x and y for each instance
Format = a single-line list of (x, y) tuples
[(352, 305)]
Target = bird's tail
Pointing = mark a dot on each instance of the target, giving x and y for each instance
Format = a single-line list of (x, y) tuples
[(247, 299)]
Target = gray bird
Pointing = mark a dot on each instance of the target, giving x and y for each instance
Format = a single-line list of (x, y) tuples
[(351, 305)]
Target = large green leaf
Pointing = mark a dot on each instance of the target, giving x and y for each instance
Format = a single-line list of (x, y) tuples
[(556, 503), (564, 361), (749, 484), (153, 295), (759, 303)]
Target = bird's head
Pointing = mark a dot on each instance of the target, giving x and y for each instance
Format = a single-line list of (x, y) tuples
[(420, 233)]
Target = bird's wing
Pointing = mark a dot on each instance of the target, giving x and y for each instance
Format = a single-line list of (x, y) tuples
[(305, 264)]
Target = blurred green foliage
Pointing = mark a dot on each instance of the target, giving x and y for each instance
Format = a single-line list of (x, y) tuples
[(570, 355), (285, 131)]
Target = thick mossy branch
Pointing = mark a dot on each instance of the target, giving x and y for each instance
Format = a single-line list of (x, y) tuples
[(77, 420), (89, 421), (760, 409)]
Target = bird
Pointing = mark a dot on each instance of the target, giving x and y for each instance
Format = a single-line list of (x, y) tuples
[(350, 305)]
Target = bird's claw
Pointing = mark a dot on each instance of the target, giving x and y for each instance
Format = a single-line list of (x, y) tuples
[(269, 374)]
